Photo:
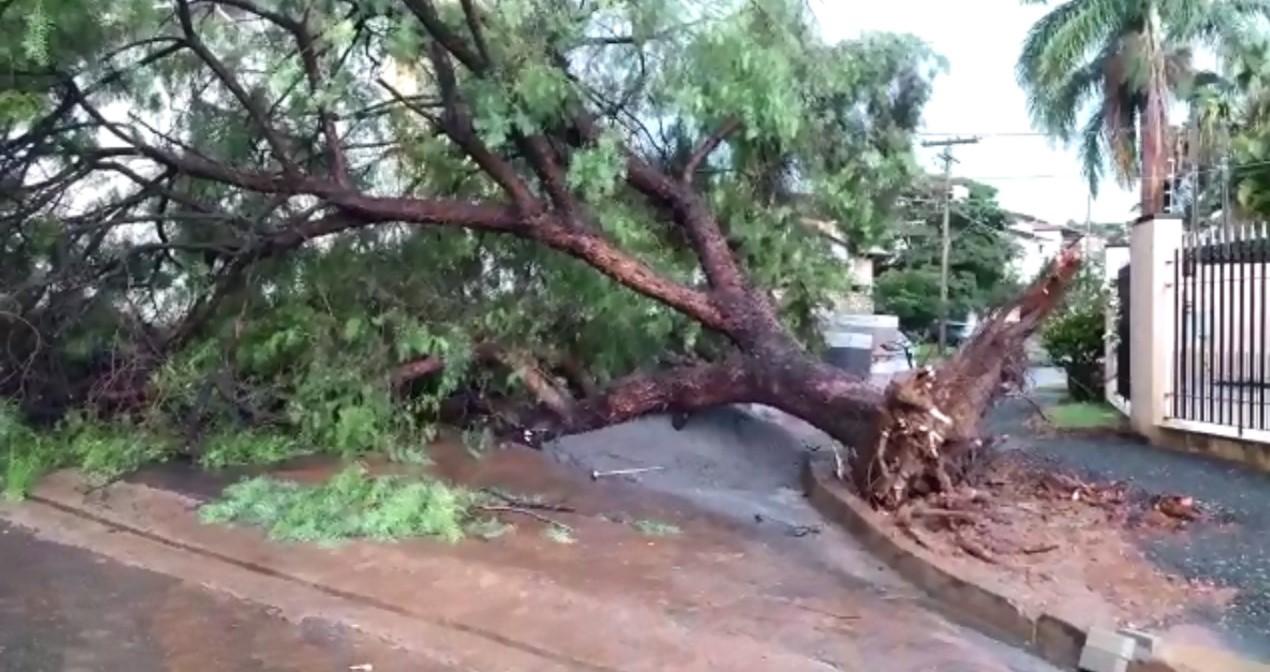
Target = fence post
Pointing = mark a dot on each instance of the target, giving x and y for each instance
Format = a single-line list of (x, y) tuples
[(1152, 245)]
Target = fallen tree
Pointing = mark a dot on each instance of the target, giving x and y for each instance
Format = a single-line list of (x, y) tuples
[(525, 128)]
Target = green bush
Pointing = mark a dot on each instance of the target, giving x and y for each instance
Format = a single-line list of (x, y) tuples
[(23, 455), (104, 451), (1075, 338)]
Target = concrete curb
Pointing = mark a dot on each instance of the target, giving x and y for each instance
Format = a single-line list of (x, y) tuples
[(1057, 638)]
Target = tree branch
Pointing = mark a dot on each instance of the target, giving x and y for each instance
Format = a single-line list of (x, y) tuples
[(254, 111), (703, 151), (431, 20), (458, 125), (474, 26), (307, 49), (685, 388)]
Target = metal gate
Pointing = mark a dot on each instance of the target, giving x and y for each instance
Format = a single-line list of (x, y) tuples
[(1221, 326), (1123, 385)]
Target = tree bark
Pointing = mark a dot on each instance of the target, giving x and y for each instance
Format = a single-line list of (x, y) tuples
[(918, 437)]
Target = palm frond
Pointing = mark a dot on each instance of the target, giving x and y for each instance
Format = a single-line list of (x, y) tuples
[(1056, 109), (1092, 150), (1225, 25)]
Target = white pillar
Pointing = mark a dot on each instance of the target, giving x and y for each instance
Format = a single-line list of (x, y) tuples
[(1151, 306)]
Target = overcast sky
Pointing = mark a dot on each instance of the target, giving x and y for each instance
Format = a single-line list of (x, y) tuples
[(978, 94)]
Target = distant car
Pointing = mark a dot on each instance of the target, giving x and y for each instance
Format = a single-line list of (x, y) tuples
[(958, 332)]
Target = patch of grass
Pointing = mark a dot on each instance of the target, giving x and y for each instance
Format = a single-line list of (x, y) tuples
[(242, 448), (350, 505), (656, 528), (1084, 415)]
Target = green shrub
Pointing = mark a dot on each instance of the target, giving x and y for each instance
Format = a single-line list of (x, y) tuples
[(1075, 338), (106, 451), (23, 454), (349, 505)]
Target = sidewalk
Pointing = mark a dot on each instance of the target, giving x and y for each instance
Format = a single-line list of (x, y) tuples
[(716, 597), (63, 608), (1235, 555)]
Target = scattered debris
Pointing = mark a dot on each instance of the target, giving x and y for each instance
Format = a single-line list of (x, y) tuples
[(1013, 511), (597, 475), (1043, 548), (527, 501), (1177, 506), (560, 535), (363, 667), (803, 530), (525, 512), (656, 528)]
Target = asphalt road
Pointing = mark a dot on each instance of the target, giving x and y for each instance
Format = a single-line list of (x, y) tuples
[(1236, 555)]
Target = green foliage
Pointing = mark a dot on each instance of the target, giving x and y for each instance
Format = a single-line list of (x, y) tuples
[(248, 447), (23, 454), (1075, 336), (103, 450), (980, 275), (108, 450), (351, 504), (289, 348)]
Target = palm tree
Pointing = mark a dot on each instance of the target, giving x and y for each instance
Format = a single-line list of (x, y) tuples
[(1121, 62)]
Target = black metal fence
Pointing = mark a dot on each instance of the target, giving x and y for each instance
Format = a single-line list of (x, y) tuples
[(1124, 385), (1220, 368)]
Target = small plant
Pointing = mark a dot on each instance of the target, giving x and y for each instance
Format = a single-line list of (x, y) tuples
[(1075, 339), (656, 528), (350, 505)]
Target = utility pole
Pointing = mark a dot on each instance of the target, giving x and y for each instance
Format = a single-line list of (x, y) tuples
[(948, 160)]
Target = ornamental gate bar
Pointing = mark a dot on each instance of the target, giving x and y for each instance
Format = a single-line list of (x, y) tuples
[(1220, 326)]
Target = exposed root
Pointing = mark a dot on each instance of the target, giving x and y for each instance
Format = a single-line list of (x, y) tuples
[(926, 440), (974, 550)]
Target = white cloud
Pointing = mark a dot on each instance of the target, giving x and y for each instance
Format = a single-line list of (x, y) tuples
[(979, 95)]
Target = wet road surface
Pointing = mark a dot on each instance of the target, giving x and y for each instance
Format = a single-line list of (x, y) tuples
[(64, 609)]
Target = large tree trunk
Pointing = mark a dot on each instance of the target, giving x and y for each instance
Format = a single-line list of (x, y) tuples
[(913, 439)]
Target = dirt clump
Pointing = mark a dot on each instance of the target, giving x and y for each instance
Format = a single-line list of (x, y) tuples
[(1050, 538)]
